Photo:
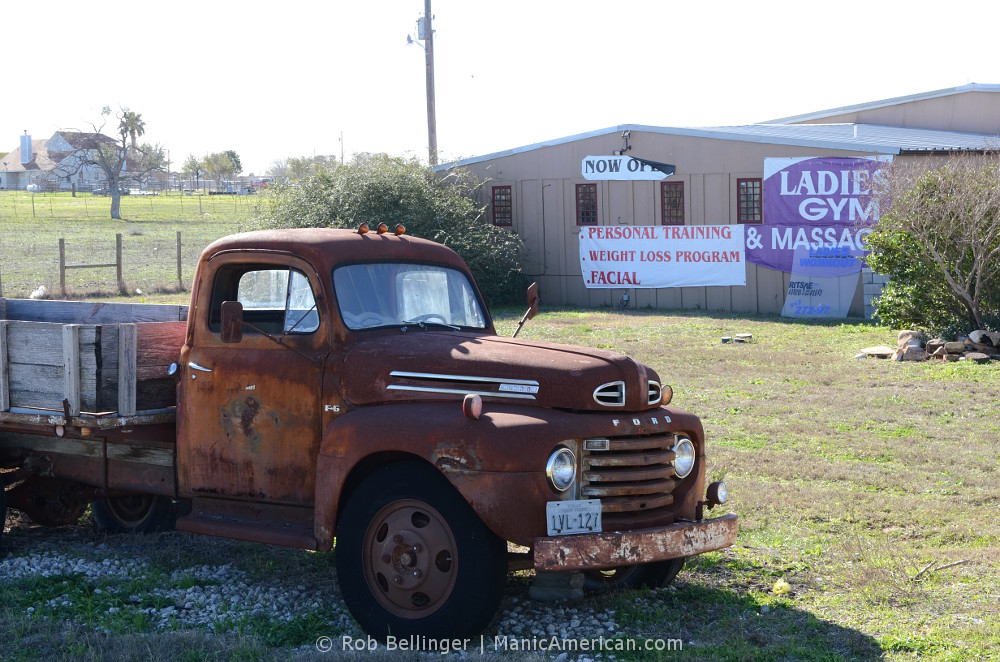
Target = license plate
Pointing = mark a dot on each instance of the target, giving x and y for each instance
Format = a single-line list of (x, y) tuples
[(566, 518)]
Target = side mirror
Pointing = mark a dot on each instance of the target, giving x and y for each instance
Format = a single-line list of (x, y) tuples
[(232, 321), (532, 310), (533, 300)]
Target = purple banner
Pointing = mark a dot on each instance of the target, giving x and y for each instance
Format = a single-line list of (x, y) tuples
[(817, 211), (827, 250)]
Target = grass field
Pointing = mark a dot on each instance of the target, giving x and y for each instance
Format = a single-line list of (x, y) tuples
[(32, 224), (870, 487)]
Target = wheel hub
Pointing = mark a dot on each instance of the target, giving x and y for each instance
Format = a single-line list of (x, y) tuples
[(410, 555)]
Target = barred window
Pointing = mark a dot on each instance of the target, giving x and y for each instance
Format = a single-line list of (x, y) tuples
[(503, 208), (748, 197), (672, 195), (586, 204)]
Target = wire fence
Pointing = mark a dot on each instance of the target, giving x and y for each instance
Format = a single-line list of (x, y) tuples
[(155, 259)]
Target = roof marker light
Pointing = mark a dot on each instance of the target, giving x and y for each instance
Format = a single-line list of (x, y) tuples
[(400, 229), (382, 228), (363, 228)]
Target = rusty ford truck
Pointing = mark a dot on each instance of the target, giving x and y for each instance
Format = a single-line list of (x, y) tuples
[(339, 388)]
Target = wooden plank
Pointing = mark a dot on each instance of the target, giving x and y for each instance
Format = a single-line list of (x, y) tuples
[(4, 383), (40, 343), (107, 388), (126, 369), (71, 367), (159, 344), (83, 312)]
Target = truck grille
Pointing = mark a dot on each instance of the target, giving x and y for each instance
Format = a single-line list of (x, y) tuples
[(634, 476)]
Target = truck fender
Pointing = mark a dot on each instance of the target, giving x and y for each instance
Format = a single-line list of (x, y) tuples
[(496, 463)]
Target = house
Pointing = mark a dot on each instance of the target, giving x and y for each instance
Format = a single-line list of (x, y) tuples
[(575, 201), (53, 163)]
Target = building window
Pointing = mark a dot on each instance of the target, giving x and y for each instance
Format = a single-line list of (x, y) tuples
[(748, 197), (503, 209), (586, 204), (672, 195)]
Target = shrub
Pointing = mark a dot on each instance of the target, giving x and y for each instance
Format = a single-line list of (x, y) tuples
[(939, 241), (378, 188)]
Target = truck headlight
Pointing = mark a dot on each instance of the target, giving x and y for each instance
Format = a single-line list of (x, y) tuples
[(684, 457), (561, 469)]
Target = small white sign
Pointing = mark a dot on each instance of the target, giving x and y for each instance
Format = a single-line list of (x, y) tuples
[(619, 168)]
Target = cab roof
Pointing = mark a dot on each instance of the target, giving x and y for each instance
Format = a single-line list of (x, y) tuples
[(328, 247)]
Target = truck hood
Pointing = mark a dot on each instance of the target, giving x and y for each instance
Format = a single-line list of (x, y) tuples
[(431, 365)]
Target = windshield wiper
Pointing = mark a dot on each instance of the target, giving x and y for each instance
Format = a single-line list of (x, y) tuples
[(424, 323)]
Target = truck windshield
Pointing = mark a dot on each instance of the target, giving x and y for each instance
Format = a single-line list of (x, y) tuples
[(397, 294)]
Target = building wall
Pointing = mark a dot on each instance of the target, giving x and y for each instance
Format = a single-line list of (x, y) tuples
[(543, 183), (972, 112)]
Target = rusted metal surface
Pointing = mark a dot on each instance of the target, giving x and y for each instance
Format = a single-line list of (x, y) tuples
[(621, 548), (496, 463)]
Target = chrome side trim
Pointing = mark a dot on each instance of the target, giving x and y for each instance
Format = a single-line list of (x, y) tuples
[(462, 378), (458, 391)]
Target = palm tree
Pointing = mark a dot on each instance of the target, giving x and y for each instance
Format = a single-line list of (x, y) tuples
[(134, 126)]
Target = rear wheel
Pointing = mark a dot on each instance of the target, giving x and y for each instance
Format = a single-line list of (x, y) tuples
[(413, 558), (134, 513), (50, 501), (652, 575)]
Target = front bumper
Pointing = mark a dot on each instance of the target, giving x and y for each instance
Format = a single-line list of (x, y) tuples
[(612, 549)]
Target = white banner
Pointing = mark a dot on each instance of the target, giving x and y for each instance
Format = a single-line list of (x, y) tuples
[(620, 168), (662, 256)]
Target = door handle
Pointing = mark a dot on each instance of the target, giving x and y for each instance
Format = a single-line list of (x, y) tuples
[(198, 367)]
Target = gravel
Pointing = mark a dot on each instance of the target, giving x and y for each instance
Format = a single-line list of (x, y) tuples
[(220, 597)]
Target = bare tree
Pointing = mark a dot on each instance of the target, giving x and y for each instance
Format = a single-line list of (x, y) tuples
[(111, 155), (943, 221)]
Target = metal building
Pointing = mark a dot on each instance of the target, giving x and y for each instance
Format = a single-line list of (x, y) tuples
[(544, 192)]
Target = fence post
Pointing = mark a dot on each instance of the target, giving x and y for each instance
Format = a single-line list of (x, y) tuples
[(62, 267), (180, 276), (118, 262)]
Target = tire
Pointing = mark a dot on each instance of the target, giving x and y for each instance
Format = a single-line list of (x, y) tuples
[(651, 575), (50, 501), (134, 513), (413, 558)]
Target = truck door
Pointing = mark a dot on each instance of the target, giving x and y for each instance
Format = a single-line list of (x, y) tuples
[(249, 412)]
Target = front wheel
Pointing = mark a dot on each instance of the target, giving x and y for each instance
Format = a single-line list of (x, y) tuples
[(652, 575), (134, 513), (413, 558)]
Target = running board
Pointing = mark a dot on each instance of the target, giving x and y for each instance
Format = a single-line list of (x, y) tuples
[(272, 524)]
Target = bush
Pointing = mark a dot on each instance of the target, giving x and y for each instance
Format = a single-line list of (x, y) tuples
[(378, 188), (939, 241)]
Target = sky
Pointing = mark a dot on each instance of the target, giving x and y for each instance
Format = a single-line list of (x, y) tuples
[(273, 80)]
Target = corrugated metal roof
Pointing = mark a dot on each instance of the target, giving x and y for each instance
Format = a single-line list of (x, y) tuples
[(865, 138), (871, 105)]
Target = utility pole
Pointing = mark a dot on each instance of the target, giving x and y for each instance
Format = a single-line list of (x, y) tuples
[(432, 141)]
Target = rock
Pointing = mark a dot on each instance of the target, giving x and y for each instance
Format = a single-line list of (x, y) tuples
[(878, 351), (978, 357), (982, 337), (938, 353), (743, 337), (913, 353), (553, 586), (955, 347), (862, 355), (934, 344), (952, 357), (904, 337)]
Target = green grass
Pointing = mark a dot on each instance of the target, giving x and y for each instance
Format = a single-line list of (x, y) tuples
[(29, 242), (856, 481)]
